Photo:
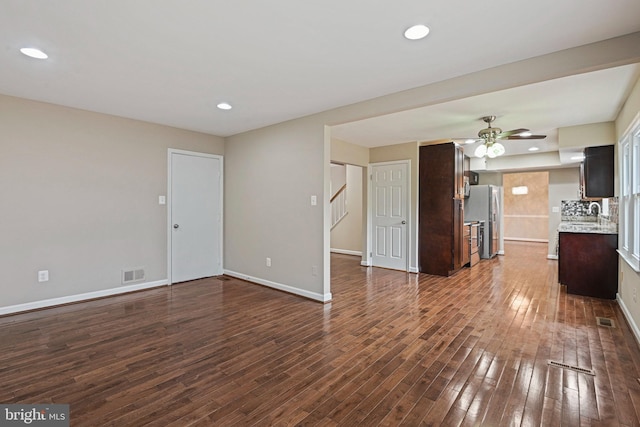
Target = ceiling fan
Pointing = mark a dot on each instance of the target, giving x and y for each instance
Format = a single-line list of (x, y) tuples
[(491, 147)]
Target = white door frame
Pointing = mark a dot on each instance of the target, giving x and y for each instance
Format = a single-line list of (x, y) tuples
[(170, 152), (368, 258)]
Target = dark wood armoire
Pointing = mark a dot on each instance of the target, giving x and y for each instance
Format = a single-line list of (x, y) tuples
[(441, 209)]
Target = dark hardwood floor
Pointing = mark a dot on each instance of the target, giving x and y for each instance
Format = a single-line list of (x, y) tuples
[(391, 349)]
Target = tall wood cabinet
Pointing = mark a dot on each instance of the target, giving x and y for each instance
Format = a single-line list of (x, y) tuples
[(441, 209)]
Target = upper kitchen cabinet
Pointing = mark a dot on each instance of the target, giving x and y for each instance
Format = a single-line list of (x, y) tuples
[(596, 172), (441, 209)]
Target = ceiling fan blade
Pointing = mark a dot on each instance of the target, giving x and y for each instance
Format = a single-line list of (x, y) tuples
[(526, 137), (508, 133)]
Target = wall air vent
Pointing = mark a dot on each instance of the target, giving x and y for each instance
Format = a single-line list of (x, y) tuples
[(133, 275)]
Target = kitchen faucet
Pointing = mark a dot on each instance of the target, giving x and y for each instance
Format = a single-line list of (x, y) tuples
[(591, 205)]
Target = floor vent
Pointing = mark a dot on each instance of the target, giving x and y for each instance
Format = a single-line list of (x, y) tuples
[(603, 321), (571, 367), (134, 275)]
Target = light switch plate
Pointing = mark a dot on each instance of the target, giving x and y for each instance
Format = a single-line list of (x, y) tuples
[(162, 200), (314, 200), (555, 209)]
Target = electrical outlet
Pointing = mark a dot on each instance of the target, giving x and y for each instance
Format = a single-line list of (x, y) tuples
[(43, 276), (268, 262)]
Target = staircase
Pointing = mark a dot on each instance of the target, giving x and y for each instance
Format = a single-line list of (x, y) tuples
[(338, 206)]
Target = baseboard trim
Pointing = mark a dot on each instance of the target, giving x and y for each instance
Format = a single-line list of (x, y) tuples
[(346, 252), (552, 257), (281, 287), (524, 239), (629, 318), (365, 263), (48, 303), (413, 270)]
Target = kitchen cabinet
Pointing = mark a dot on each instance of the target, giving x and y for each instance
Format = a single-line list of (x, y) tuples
[(588, 264), (596, 172), (441, 209), (466, 244)]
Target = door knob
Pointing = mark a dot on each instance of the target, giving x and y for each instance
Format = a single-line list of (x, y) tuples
[(175, 226), (404, 222)]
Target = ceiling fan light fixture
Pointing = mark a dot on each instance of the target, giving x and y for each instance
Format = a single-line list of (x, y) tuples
[(525, 134), (534, 149), (481, 151), (495, 150)]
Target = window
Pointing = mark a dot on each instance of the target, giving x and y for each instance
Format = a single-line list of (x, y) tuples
[(629, 152)]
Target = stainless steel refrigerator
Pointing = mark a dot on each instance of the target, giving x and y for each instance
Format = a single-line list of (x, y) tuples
[(483, 204)]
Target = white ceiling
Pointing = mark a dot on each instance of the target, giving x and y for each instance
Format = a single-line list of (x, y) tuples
[(171, 62), (542, 107)]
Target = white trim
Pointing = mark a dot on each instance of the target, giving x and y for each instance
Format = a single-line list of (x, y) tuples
[(170, 152), (552, 257), (368, 260), (413, 270), (629, 318), (524, 239), (281, 287), (35, 305), (346, 252), (365, 263)]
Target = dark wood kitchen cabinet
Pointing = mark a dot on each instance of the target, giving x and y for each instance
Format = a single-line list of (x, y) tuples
[(588, 264), (441, 209), (596, 172)]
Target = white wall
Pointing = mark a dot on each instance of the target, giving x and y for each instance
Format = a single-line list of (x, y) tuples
[(628, 279), (564, 184), (79, 195)]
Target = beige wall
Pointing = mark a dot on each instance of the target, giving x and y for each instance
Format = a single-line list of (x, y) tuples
[(79, 195), (526, 215), (408, 151), (80, 190), (629, 280), (270, 176), (344, 152)]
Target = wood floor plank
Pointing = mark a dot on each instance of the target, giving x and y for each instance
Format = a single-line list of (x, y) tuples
[(391, 349)]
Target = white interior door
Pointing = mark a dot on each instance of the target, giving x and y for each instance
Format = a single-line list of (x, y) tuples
[(389, 216), (195, 216)]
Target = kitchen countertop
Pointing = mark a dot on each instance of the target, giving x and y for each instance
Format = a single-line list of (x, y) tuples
[(587, 227)]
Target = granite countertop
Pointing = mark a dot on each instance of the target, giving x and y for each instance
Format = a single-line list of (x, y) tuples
[(587, 227)]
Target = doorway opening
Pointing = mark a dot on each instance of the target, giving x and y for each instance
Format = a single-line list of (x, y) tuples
[(526, 206), (347, 212)]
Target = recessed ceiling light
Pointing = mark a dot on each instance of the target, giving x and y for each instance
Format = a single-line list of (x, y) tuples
[(534, 149), (416, 32), (34, 53), (224, 106)]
